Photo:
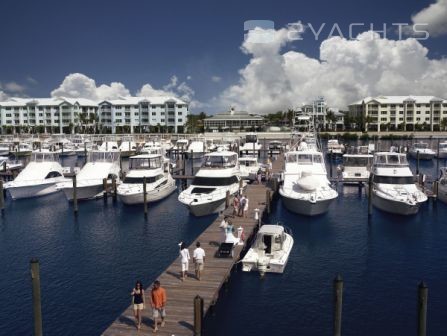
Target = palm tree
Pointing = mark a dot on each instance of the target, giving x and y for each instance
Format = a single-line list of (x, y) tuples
[(330, 116), (443, 123)]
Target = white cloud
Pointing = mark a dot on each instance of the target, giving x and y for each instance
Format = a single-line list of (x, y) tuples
[(3, 96), (216, 79), (14, 87), (347, 70), (31, 80), (433, 18)]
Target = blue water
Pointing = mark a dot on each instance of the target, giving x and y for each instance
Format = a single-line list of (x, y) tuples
[(89, 264)]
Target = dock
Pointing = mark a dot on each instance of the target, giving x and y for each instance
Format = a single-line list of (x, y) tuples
[(180, 295)]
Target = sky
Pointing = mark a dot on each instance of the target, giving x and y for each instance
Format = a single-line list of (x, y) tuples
[(199, 51)]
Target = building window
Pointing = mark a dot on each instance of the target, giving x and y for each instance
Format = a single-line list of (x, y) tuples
[(179, 113), (154, 113), (180, 120)]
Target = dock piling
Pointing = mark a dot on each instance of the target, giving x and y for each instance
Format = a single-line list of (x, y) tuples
[(417, 162), (331, 160), (114, 187), (422, 308), (227, 199), (144, 196), (437, 158), (192, 163), (2, 197), (198, 315), (370, 189), (267, 200), (338, 304), (104, 187), (85, 152), (37, 309), (75, 195)]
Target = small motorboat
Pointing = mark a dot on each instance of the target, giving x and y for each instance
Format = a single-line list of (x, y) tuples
[(270, 251)]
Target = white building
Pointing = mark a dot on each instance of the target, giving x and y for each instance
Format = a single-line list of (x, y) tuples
[(57, 113), (142, 112), (406, 113), (233, 120)]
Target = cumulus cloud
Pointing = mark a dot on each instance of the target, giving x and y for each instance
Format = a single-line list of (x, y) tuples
[(346, 71), (3, 96), (216, 79), (433, 18), (14, 87)]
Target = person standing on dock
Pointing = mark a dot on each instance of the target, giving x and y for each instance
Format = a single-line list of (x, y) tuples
[(245, 210), (242, 203), (158, 303), (184, 254), (236, 202), (138, 302), (199, 260)]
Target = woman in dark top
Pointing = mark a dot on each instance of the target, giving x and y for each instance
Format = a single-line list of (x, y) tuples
[(138, 302)]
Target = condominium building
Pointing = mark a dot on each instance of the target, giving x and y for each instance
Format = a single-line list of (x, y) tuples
[(406, 113), (45, 113), (142, 112), (233, 120)]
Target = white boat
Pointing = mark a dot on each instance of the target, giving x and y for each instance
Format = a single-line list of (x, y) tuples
[(334, 147), (442, 186), (128, 147), (38, 178), (207, 193), (7, 164), (251, 145), (276, 147), (159, 182), (394, 189), (181, 145), (196, 147), (89, 181), (270, 251), (82, 145), (356, 166), (442, 151), (306, 189), (5, 148), (248, 166), (425, 153), (108, 146), (22, 149)]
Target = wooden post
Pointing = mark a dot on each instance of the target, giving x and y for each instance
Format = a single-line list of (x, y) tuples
[(437, 160), (227, 200), (37, 309), (370, 193), (75, 196), (330, 163), (198, 315), (114, 187), (85, 152), (267, 200), (4, 166), (435, 190), (338, 304), (62, 149), (422, 308), (104, 187), (2, 197), (417, 162), (192, 163), (275, 185), (144, 196)]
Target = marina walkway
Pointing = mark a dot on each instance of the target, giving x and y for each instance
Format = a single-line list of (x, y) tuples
[(179, 308)]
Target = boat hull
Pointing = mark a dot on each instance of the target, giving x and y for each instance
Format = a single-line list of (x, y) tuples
[(305, 207), (422, 156), (84, 192), (395, 207), (152, 195), (442, 155), (205, 209), (32, 190), (442, 193)]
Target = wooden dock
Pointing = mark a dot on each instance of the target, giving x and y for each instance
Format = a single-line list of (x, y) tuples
[(179, 308)]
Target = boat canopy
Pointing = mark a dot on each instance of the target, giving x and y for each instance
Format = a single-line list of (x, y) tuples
[(304, 158), (44, 157), (103, 156), (270, 238), (390, 159), (420, 145), (146, 162), (220, 160), (251, 138), (357, 160)]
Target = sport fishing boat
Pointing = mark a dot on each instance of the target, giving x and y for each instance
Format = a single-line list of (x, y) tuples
[(218, 174), (159, 182), (394, 189), (357, 165), (442, 186), (89, 181), (251, 145), (248, 166), (425, 153), (276, 147), (181, 145), (270, 251), (108, 145), (38, 178), (21, 149)]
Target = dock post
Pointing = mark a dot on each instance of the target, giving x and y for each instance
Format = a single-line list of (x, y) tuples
[(338, 304), (227, 200), (4, 166), (144, 197), (37, 309), (241, 184), (2, 197), (114, 187), (435, 190), (104, 187), (267, 200), (62, 149), (437, 159), (75, 196), (422, 308), (192, 163), (370, 189), (330, 163), (198, 315), (85, 152), (417, 162)]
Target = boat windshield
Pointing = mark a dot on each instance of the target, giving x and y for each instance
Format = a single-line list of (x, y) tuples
[(220, 161), (145, 163), (251, 138), (140, 180), (420, 145), (44, 157), (304, 158), (214, 181), (390, 159), (99, 156), (394, 179), (443, 145), (248, 163), (356, 161)]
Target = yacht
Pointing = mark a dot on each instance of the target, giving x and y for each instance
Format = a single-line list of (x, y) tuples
[(5, 149), (38, 178), (306, 189), (159, 182), (89, 180), (442, 186), (357, 165), (128, 147), (248, 166), (442, 154), (270, 251), (196, 147), (334, 147), (108, 146), (7, 164), (22, 149), (276, 147), (181, 145), (394, 189), (251, 145), (425, 153), (218, 174)]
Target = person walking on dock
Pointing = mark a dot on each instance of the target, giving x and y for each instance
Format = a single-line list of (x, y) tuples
[(138, 302), (199, 260), (242, 203), (184, 254), (236, 201), (158, 303), (245, 210)]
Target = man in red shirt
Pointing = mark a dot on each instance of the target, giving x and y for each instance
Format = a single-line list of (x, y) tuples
[(158, 303)]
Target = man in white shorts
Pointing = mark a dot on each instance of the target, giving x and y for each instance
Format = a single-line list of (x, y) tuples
[(199, 260)]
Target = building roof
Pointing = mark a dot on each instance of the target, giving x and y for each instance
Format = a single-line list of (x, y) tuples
[(399, 99), (151, 100), (235, 115), (47, 101)]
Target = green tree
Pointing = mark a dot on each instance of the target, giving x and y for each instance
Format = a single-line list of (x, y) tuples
[(443, 123)]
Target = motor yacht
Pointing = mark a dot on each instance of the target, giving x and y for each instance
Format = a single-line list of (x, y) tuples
[(248, 166), (442, 153), (181, 145), (335, 148), (306, 189), (357, 165), (251, 145), (425, 153), (22, 149), (276, 147), (108, 145), (38, 178), (89, 180), (7, 164), (270, 251), (218, 174), (196, 148), (128, 147), (394, 188), (5, 148), (159, 182)]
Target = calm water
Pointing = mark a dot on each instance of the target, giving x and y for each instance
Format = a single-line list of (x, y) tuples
[(89, 264)]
